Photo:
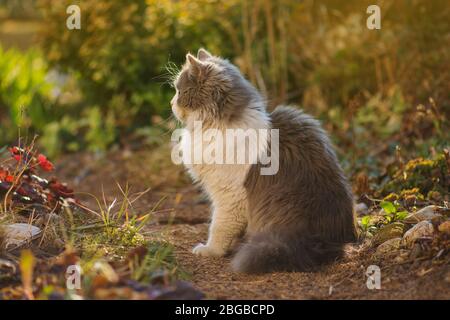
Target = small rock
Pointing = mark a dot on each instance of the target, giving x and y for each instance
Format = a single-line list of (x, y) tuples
[(423, 229), (426, 213), (7, 267), (390, 231), (361, 209), (388, 248), (18, 234), (444, 227)]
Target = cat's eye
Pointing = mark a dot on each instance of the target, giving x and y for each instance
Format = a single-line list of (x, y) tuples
[(183, 92)]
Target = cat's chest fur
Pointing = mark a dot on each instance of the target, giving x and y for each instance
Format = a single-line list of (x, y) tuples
[(221, 176)]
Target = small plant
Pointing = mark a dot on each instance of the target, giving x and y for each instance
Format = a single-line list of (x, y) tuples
[(391, 212), (108, 243), (23, 190), (422, 174), (370, 224), (26, 93), (367, 225)]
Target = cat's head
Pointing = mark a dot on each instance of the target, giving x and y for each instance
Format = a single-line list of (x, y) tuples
[(210, 89)]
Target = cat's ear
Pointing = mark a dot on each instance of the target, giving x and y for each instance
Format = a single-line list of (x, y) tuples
[(191, 59), (202, 54), (196, 66)]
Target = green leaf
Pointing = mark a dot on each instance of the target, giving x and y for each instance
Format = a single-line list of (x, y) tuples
[(388, 207), (401, 215), (365, 221)]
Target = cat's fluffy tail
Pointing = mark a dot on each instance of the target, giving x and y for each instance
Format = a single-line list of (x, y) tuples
[(269, 251)]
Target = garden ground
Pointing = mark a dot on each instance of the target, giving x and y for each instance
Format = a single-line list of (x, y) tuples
[(183, 221)]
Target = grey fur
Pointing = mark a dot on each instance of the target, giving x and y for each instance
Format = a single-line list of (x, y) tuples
[(214, 88), (300, 217)]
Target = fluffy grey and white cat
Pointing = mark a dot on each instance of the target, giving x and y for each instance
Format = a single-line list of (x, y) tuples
[(295, 220)]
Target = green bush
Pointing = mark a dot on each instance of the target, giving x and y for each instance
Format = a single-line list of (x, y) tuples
[(365, 84), (21, 9), (32, 103), (122, 49), (25, 93)]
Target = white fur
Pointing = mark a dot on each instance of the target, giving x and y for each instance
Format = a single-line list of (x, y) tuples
[(224, 184)]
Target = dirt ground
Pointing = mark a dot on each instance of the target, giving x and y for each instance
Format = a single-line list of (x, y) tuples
[(183, 218)]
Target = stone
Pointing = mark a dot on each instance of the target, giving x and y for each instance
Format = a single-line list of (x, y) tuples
[(389, 231), (444, 227), (19, 234), (388, 248), (7, 267), (426, 213), (423, 229)]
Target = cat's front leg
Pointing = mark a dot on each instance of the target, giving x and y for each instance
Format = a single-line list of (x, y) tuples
[(226, 226)]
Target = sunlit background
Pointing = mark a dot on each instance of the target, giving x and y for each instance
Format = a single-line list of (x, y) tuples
[(108, 84), (86, 177)]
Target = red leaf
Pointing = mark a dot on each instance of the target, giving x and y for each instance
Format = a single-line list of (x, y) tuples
[(5, 176), (44, 163), (20, 154), (15, 153), (60, 190), (14, 150)]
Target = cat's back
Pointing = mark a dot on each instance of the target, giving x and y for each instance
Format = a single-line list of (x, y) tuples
[(310, 182), (305, 154), (295, 123), (302, 138)]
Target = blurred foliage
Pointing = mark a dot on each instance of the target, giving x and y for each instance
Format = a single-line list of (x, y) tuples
[(425, 175), (21, 9), (123, 48), (374, 89), (25, 92)]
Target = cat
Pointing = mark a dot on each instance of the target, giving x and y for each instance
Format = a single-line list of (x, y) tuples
[(297, 219)]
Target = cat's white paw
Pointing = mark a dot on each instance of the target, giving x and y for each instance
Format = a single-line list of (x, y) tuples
[(207, 251)]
